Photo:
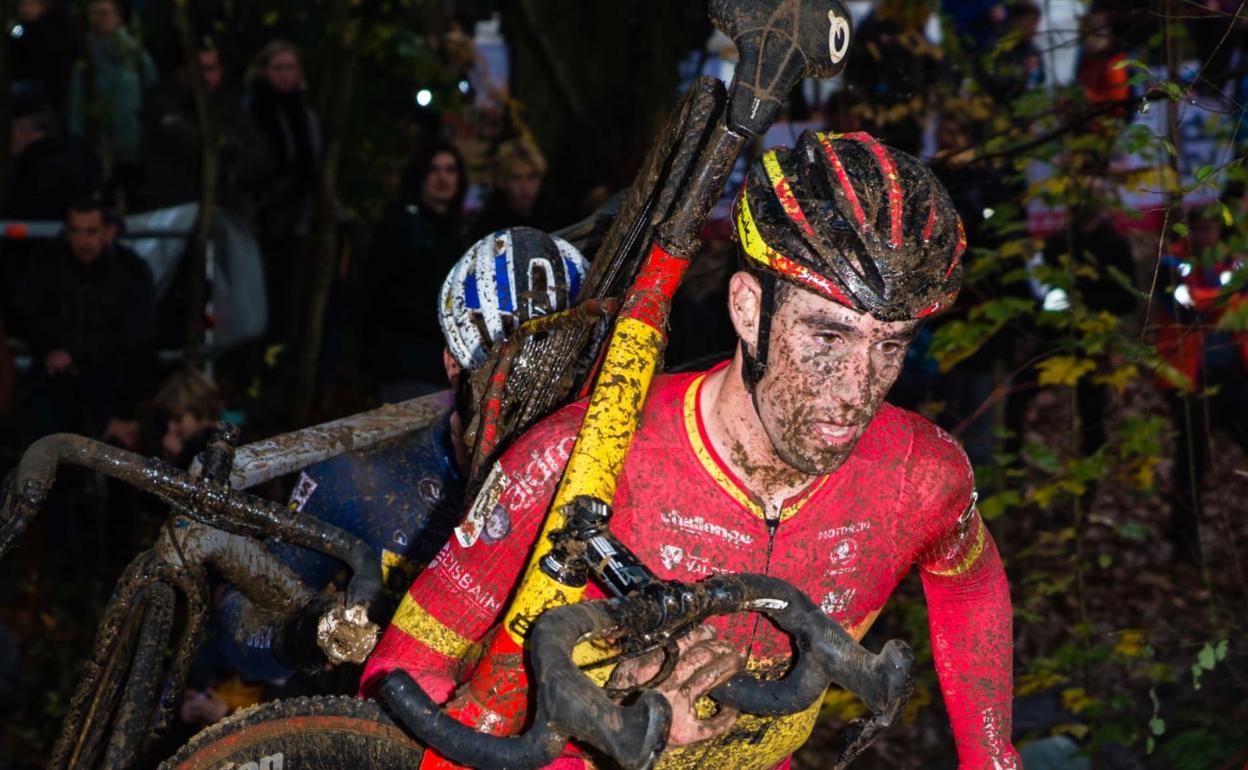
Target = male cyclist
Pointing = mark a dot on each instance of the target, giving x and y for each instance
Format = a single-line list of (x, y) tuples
[(785, 461), (403, 497)]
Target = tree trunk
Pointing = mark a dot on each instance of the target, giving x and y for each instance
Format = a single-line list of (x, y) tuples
[(340, 71), (196, 253)]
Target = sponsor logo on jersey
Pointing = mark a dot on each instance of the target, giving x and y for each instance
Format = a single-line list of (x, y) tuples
[(303, 490), (497, 525), (995, 741), (843, 556), (671, 555), (457, 575), (473, 524), (536, 478), (845, 530), (698, 525), (431, 489), (837, 602)]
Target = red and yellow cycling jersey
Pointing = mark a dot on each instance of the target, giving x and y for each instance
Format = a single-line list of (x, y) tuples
[(903, 497)]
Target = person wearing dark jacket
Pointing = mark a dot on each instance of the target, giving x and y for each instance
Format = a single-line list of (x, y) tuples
[(43, 47), (174, 144), (291, 135), (49, 171), (88, 308), (519, 199), (417, 242)]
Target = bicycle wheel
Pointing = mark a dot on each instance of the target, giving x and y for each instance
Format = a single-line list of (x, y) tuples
[(313, 733), (132, 724), (110, 686)]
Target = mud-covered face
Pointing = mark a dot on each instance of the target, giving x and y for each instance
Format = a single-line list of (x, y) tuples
[(828, 370)]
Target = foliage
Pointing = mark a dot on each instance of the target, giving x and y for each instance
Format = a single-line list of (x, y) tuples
[(1118, 686)]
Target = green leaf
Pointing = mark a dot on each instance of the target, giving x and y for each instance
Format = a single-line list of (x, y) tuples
[(993, 506), (1219, 652), (1157, 726), (1206, 658), (1196, 672), (1180, 229), (1204, 172), (1149, 745), (1104, 560), (1135, 532)]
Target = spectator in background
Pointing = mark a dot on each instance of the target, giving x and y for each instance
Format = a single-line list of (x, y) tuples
[(895, 70), (88, 310), (1199, 288), (189, 405), (290, 132), (106, 96), (43, 47), (519, 199), (173, 143), (1016, 66), (417, 242), (49, 171), (974, 21), (1099, 72)]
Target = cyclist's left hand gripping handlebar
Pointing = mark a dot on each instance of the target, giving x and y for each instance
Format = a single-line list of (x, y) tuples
[(568, 704)]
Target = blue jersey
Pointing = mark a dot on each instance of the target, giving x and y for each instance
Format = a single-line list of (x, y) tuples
[(403, 498)]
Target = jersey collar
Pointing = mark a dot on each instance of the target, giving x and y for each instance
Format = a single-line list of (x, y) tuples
[(714, 465)]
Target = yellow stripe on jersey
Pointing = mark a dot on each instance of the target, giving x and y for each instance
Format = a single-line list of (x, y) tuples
[(416, 622), (972, 556), (716, 471)]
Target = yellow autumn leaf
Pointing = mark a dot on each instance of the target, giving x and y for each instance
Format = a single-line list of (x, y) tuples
[(1075, 699), (844, 705), (1101, 323), (1020, 247), (1130, 643), (1118, 379), (1073, 729), (922, 697), (1145, 478), (271, 354), (1063, 370), (1028, 684)]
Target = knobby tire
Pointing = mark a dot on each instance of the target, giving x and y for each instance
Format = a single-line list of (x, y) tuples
[(110, 689), (310, 733)]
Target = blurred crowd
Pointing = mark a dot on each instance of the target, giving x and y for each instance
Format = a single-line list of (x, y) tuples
[(101, 129)]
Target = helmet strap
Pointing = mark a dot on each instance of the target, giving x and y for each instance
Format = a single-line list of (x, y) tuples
[(756, 363)]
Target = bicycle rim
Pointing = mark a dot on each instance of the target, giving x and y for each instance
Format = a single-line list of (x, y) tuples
[(312, 733)]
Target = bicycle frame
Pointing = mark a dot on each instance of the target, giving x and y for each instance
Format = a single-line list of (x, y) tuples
[(203, 530), (766, 73)]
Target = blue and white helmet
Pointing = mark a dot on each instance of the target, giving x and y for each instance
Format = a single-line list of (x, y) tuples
[(503, 280)]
